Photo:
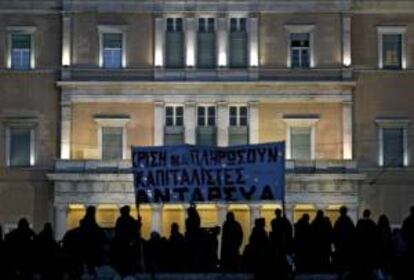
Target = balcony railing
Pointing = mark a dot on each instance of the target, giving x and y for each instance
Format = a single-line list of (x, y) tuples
[(125, 166)]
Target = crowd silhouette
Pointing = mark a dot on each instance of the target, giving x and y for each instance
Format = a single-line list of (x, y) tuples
[(367, 250)]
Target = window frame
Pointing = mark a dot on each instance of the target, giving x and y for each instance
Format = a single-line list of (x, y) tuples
[(165, 45), (401, 123), (174, 116), (118, 29), (238, 117), (206, 115), (392, 30), (206, 18), (304, 121), (293, 29), (116, 122), (238, 20), (23, 125), (23, 30)]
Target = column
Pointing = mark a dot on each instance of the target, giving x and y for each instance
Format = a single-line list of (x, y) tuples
[(190, 117), (190, 41), (222, 42), (221, 213), (159, 42), (61, 216), (66, 40), (222, 124), (156, 211), (253, 42), (346, 41), (254, 213), (347, 130), (253, 122), (66, 123), (159, 119)]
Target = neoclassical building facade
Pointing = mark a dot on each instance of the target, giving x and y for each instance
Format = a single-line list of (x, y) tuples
[(330, 78)]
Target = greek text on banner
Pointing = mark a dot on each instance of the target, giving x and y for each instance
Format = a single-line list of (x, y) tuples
[(189, 173)]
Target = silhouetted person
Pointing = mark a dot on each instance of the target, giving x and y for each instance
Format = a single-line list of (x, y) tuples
[(72, 258), (231, 240), (281, 244), (92, 238), (407, 231), (20, 250), (193, 238), (2, 253), (399, 263), (125, 243), (321, 242), (256, 255), (344, 241), (302, 244), (210, 248), (176, 250), (366, 246), (155, 252), (385, 246), (47, 250)]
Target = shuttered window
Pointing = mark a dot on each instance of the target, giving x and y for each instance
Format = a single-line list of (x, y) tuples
[(206, 43), (112, 50), (112, 143), (238, 43), (238, 130), (300, 50), (300, 143), (19, 147), (20, 51), (174, 43), (392, 51), (174, 125), (206, 126), (393, 146)]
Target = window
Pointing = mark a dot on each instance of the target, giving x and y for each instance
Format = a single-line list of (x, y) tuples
[(300, 136), (174, 43), (20, 146), (206, 43), (238, 43), (206, 116), (393, 146), (300, 143), (112, 143), (300, 50), (391, 47), (238, 131), (112, 137), (174, 116), (174, 125), (21, 51), (238, 115), (206, 122), (112, 50)]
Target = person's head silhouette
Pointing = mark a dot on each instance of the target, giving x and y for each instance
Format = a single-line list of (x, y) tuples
[(260, 223), (343, 210), (23, 224), (278, 212), (174, 228), (366, 214), (230, 216), (125, 210), (319, 213)]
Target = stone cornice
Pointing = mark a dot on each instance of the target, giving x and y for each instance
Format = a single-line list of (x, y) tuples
[(207, 91)]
